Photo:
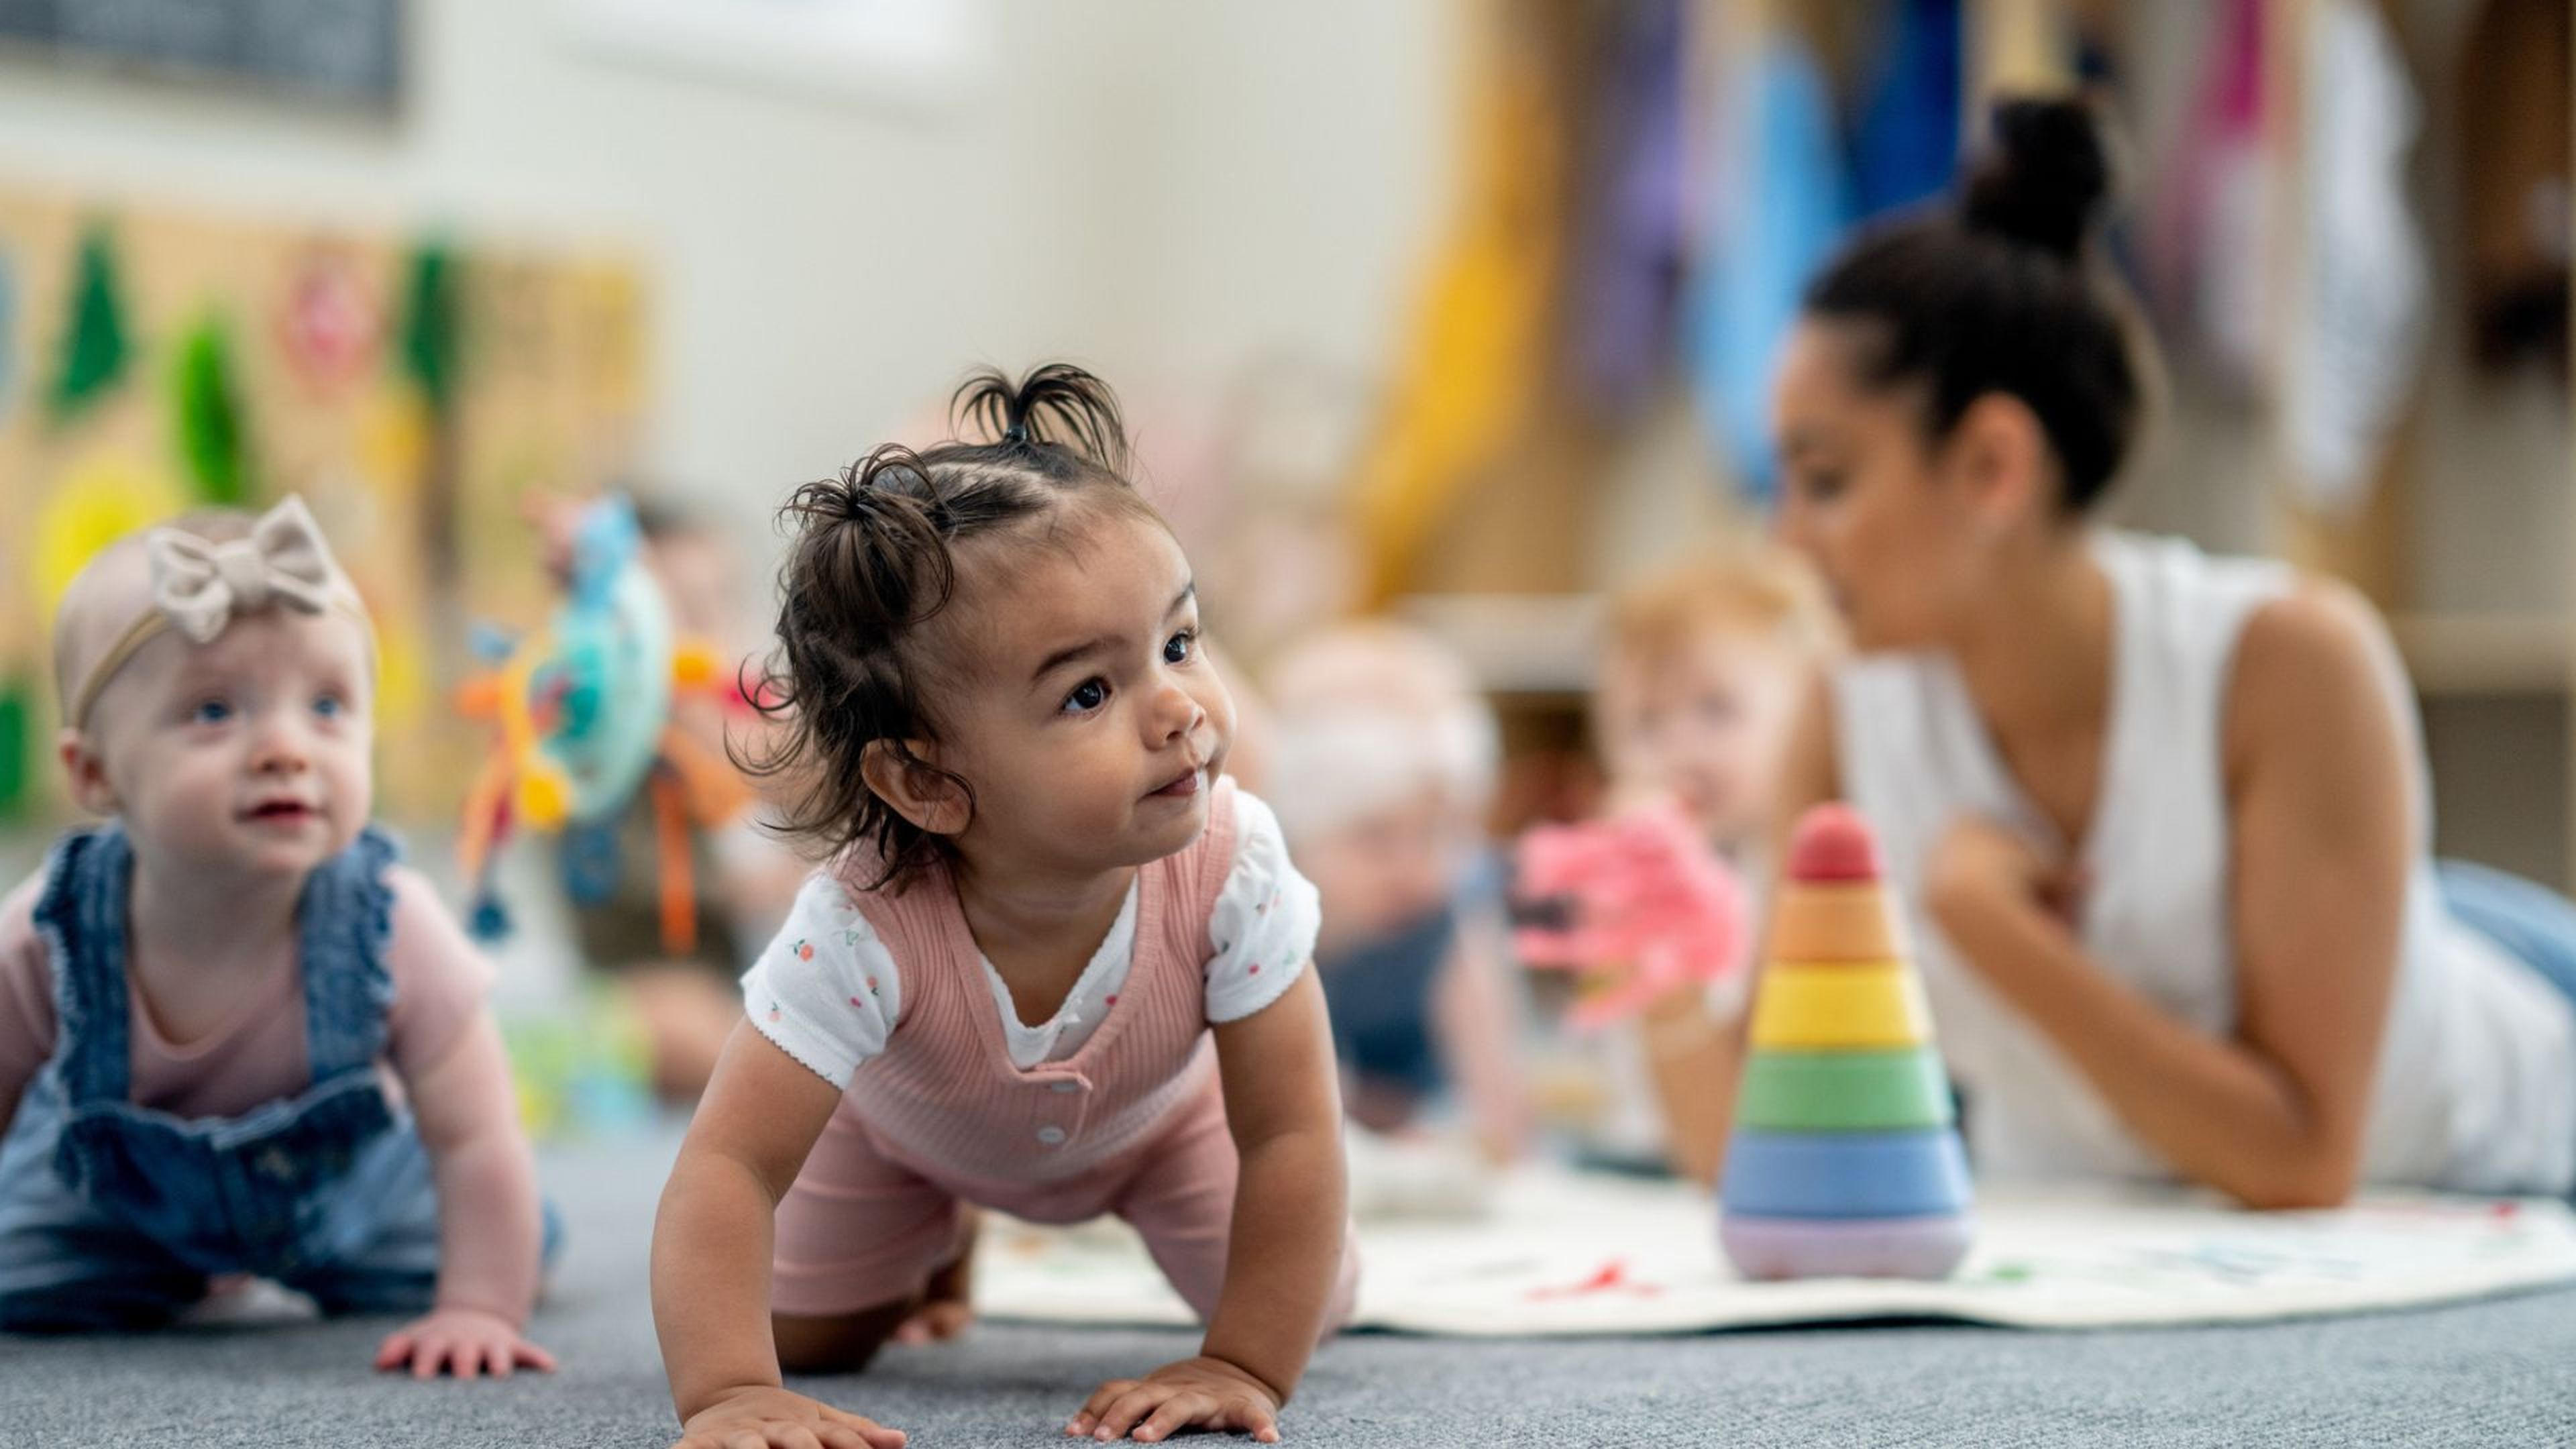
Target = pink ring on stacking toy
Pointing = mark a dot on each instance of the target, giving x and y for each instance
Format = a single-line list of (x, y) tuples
[(1773, 1248), (1833, 844)]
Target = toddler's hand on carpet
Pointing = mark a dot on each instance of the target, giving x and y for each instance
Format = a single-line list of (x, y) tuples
[(467, 1342), (757, 1418), (1206, 1393)]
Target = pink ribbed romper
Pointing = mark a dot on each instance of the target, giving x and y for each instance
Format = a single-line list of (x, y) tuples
[(1133, 1123)]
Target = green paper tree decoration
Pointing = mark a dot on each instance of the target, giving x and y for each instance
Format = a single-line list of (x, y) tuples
[(432, 327), (16, 712), (209, 415), (94, 349)]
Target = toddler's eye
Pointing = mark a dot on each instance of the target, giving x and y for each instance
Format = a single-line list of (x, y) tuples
[(1177, 649), (210, 711), (329, 706), (1087, 696)]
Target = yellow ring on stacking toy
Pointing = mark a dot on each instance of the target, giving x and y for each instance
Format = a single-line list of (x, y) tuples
[(1862, 1006)]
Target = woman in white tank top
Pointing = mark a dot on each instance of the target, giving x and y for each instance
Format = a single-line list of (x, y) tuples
[(2159, 819)]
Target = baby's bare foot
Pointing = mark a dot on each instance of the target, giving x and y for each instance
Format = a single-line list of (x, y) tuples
[(935, 1323), (946, 1308)]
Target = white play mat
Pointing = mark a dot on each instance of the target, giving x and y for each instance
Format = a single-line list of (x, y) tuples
[(1566, 1254)]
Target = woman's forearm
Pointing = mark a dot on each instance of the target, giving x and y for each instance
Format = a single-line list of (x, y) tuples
[(2215, 1108)]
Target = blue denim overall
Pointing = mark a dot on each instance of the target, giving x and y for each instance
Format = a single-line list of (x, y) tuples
[(114, 1215), (2531, 921)]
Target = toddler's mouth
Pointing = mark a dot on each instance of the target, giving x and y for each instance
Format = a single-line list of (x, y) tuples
[(282, 811), (1181, 786)]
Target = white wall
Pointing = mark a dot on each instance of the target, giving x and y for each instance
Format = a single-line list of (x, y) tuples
[(1290, 167), (1159, 187)]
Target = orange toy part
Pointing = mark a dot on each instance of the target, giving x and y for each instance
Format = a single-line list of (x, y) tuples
[(479, 697), (696, 666), (679, 888), (487, 805), (1827, 921), (716, 790)]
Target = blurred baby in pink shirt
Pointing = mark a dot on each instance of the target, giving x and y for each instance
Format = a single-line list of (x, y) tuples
[(236, 1038)]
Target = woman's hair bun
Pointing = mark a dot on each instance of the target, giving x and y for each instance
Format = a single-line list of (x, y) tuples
[(2045, 177)]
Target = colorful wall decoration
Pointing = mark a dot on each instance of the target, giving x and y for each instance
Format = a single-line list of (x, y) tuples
[(412, 389)]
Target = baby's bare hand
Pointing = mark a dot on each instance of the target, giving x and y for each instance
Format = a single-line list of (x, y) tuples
[(766, 1418), (1206, 1393), (467, 1342)]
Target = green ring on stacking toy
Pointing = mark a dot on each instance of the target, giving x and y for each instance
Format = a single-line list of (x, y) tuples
[(1844, 1091)]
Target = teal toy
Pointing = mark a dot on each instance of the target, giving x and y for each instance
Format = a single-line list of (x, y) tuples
[(582, 715)]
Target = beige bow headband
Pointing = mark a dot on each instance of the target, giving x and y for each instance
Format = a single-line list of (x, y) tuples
[(199, 587)]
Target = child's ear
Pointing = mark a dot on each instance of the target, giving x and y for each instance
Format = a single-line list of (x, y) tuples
[(900, 773), (85, 771)]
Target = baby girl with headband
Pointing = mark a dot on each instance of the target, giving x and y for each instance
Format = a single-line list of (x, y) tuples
[(235, 1037), (1056, 964)]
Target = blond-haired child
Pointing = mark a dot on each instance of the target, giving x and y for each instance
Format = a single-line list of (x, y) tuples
[(1703, 666)]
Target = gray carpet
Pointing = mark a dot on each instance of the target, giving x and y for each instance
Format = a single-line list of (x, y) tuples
[(2492, 1373)]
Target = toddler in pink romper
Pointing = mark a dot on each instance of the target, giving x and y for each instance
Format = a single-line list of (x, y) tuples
[(1109, 1107), (1057, 965)]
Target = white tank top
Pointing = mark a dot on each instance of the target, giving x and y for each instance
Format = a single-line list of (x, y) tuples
[(2477, 1076)]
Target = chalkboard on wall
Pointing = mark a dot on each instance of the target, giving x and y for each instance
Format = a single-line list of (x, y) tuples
[(345, 52)]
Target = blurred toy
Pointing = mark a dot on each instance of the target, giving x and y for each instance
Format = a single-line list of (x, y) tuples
[(1647, 907), (582, 1073), (583, 711), (1416, 1177), (1845, 1160)]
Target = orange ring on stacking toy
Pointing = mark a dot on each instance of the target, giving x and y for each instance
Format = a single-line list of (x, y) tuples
[(1832, 921), (1863, 1006)]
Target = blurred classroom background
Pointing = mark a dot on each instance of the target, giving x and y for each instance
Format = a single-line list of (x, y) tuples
[(1457, 312)]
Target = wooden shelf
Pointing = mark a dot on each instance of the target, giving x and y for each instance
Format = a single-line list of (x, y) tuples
[(1550, 644), (2466, 654)]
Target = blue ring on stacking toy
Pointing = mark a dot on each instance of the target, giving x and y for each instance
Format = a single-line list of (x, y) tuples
[(1919, 1173)]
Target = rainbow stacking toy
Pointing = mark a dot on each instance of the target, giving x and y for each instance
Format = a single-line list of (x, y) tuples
[(1845, 1160)]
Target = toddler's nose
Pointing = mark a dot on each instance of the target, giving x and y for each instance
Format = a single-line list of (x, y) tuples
[(1177, 713), (280, 749), (1791, 525)]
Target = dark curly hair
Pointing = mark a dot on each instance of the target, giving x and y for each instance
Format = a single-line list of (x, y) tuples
[(874, 558)]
